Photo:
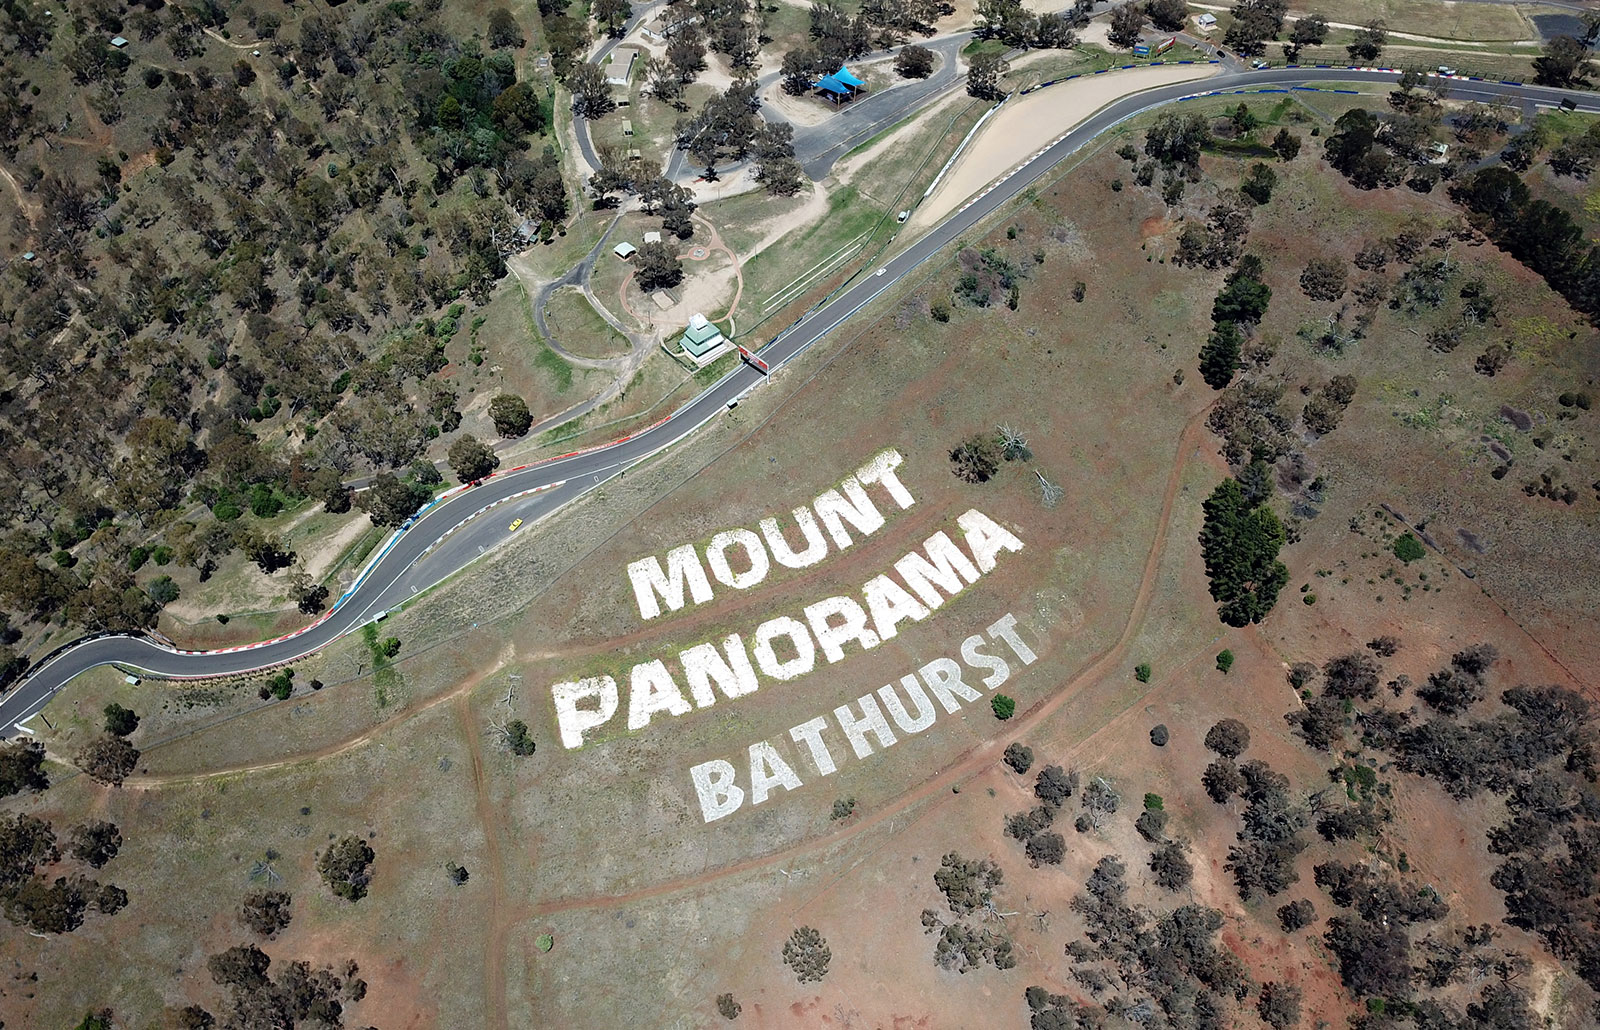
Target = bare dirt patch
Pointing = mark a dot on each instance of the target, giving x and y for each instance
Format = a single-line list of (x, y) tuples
[(1026, 124)]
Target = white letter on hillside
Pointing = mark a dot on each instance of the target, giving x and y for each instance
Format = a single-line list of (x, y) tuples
[(702, 664), (683, 567), (574, 721), (985, 538), (854, 626), (719, 796), (871, 721), (947, 569), (859, 511), (890, 605), (999, 671), (925, 711), (768, 770), (805, 652), (651, 690), (717, 558), (1006, 629), (943, 677), (816, 547), (881, 470), (809, 733)]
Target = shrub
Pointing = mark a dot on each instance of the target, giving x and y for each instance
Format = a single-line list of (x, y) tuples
[(119, 720), (517, 738), (162, 590), (108, 758), (806, 952), (1224, 661), (1229, 738), (510, 415), (1055, 785), (976, 459), (1408, 548), (1151, 824), (1004, 707), (1019, 757), (1141, 672), (1297, 915), (1046, 849), (727, 1008), (265, 912), (346, 867), (1159, 735)]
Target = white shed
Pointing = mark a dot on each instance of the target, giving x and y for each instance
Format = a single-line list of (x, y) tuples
[(624, 250), (1205, 21)]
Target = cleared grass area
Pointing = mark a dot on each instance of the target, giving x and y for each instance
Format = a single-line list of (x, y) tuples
[(788, 26), (578, 327), (517, 360), (742, 221), (1515, 67), (1043, 65), (767, 274), (1478, 22)]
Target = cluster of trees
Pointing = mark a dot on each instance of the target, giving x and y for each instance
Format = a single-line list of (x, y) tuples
[(1381, 150), (1236, 311), (968, 887), (726, 129), (1258, 22), (1052, 787), (1168, 966), (1536, 232), (55, 904), (977, 458), (1269, 841), (1240, 541), (657, 194), (1567, 61), (1128, 20), (1535, 745), (1018, 28), (370, 117), (110, 757), (837, 37), (297, 996)]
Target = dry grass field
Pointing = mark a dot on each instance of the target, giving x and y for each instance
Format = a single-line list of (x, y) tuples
[(652, 912)]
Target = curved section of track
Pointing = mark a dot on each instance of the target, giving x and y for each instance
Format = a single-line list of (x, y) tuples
[(457, 528)]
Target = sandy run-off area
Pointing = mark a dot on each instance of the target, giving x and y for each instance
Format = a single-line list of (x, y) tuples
[(1023, 125)]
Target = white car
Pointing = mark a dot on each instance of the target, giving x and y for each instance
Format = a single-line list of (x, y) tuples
[(880, 271)]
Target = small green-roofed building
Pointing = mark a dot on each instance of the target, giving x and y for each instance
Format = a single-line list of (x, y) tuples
[(701, 337)]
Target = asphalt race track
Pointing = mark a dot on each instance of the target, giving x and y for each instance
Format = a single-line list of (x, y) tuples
[(455, 529)]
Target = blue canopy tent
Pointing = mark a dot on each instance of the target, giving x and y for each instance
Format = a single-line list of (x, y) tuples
[(841, 85), (844, 76), (835, 89)]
